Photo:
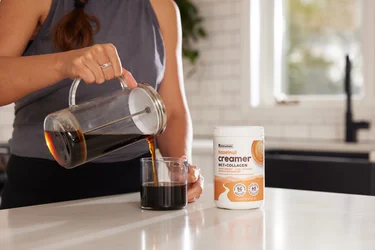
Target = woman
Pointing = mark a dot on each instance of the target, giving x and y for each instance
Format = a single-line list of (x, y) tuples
[(45, 44)]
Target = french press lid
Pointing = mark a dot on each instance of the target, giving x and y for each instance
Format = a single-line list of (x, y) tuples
[(145, 97), (141, 98)]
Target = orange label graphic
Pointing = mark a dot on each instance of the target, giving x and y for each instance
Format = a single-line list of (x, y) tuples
[(257, 151), (239, 190)]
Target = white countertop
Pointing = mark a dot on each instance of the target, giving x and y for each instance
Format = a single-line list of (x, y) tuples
[(290, 220), (205, 146)]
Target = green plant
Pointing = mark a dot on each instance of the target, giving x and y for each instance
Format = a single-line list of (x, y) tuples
[(192, 29)]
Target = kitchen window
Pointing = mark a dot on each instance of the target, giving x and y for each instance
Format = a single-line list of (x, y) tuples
[(298, 48)]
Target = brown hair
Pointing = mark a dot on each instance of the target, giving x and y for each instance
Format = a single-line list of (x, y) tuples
[(74, 30)]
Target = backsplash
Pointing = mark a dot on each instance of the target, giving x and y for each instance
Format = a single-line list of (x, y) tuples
[(212, 91)]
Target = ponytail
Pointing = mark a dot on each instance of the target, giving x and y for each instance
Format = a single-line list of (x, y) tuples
[(74, 30)]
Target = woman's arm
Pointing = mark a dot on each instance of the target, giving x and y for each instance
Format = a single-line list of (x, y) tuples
[(176, 140), (20, 76)]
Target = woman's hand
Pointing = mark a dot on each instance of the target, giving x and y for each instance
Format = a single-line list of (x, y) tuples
[(194, 178), (195, 183), (97, 63)]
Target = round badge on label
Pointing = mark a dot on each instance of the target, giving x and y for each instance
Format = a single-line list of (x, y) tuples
[(254, 189), (239, 189)]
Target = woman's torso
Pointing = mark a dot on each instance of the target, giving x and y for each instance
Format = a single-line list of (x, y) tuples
[(131, 25)]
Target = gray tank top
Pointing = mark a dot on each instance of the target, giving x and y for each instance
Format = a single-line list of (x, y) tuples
[(132, 26)]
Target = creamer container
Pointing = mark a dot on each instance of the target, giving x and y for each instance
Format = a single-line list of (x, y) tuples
[(239, 167)]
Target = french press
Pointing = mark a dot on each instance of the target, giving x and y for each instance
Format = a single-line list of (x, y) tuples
[(84, 132)]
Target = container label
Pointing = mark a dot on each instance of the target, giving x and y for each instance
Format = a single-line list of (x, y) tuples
[(239, 169)]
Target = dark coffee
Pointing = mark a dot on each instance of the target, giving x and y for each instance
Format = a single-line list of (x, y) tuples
[(164, 196), (151, 146), (73, 148)]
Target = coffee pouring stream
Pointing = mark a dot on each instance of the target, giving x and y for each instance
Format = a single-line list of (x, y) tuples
[(84, 132)]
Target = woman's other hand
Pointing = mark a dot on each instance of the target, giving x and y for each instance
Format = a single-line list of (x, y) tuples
[(194, 179), (195, 183)]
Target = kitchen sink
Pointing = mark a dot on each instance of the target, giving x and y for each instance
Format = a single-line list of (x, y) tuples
[(319, 165), (329, 171), (325, 154)]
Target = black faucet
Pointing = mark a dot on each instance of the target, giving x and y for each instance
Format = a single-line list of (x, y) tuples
[(351, 126)]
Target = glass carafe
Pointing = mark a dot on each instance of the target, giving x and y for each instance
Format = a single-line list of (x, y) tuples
[(81, 133)]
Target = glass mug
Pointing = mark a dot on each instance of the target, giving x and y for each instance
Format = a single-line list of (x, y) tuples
[(164, 183), (84, 132)]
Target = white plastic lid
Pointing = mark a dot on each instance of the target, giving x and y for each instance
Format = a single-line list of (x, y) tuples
[(240, 131), (139, 100)]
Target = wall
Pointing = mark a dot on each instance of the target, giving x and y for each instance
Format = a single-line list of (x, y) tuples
[(212, 91), (6, 121), (215, 92)]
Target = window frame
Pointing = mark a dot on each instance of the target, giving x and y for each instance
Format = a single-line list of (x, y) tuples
[(261, 47)]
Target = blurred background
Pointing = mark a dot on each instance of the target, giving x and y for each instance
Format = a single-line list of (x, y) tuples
[(303, 69)]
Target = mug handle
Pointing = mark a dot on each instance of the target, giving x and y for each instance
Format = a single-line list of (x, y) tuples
[(73, 89)]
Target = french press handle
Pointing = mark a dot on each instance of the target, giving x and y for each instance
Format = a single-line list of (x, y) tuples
[(73, 89)]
